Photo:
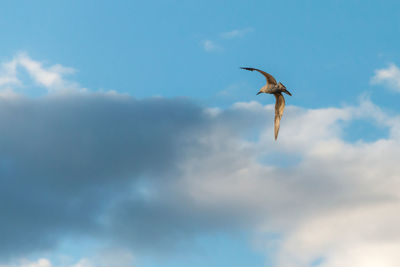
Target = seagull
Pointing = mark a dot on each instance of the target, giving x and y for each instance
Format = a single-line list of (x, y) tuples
[(272, 87)]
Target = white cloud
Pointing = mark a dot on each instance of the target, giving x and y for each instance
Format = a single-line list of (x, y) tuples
[(389, 76), (8, 73), (338, 203), (103, 258), (39, 263), (211, 46), (25, 263), (83, 263), (51, 78), (237, 33)]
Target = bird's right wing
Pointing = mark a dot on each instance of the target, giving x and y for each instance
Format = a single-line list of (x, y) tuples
[(269, 77), (279, 107)]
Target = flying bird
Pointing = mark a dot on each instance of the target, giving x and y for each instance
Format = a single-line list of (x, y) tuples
[(272, 87)]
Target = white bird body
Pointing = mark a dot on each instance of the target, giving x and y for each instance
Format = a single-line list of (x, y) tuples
[(272, 87)]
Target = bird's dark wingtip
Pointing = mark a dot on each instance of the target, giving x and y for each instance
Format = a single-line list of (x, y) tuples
[(286, 92)]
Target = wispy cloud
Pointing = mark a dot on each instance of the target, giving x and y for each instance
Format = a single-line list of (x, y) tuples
[(102, 258), (389, 76), (43, 262), (52, 78), (211, 46), (8, 74), (237, 33)]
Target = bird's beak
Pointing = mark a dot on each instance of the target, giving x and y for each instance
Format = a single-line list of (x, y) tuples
[(259, 93)]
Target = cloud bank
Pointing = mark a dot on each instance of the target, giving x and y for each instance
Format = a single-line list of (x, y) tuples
[(147, 174)]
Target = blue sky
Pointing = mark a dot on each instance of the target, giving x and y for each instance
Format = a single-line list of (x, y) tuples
[(125, 45), (132, 138)]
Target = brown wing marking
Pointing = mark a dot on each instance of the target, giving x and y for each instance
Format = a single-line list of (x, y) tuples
[(279, 107), (269, 77)]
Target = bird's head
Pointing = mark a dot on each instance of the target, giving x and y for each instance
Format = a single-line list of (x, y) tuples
[(262, 90)]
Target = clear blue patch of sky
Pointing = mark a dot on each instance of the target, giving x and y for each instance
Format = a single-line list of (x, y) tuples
[(279, 160), (363, 130), (317, 262), (213, 251)]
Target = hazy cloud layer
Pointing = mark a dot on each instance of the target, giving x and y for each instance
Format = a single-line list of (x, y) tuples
[(148, 174)]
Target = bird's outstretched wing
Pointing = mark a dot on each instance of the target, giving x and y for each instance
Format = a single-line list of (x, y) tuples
[(279, 107), (269, 77)]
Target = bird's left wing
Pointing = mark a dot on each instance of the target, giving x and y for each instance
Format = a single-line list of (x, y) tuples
[(279, 107), (269, 77)]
